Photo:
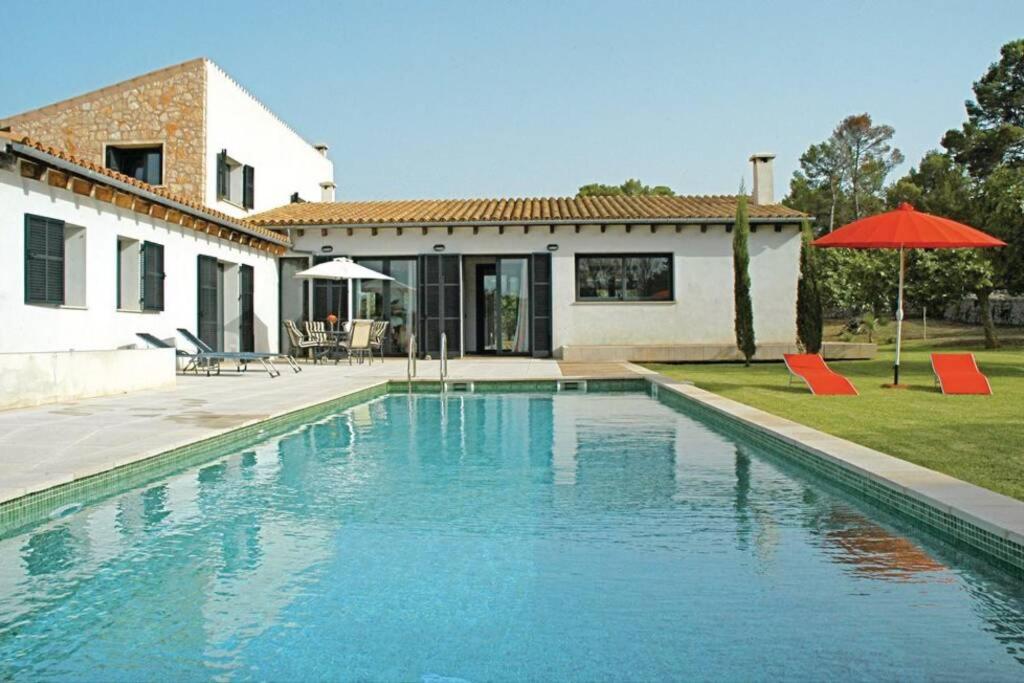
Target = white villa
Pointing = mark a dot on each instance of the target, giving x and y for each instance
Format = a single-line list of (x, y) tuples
[(176, 199)]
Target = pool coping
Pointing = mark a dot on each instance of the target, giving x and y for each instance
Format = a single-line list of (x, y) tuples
[(989, 523)]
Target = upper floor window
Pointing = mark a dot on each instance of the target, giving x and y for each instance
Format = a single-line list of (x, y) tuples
[(624, 277), (142, 162), (235, 181), (54, 262)]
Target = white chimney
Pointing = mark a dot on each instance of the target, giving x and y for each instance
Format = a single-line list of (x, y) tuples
[(327, 191), (764, 180)]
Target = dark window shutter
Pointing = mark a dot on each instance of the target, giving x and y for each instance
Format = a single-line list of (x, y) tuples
[(248, 187), (152, 276), (222, 174), (247, 309), (540, 304), (44, 260), (209, 296)]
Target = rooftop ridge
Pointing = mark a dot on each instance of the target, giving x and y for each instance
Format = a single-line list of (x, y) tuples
[(702, 208)]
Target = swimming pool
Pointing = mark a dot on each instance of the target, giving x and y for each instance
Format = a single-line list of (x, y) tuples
[(498, 537)]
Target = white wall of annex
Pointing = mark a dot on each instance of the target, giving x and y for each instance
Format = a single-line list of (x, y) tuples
[(702, 312), (284, 163), (99, 325)]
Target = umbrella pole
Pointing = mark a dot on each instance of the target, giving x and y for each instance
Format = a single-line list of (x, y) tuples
[(348, 290), (899, 323)]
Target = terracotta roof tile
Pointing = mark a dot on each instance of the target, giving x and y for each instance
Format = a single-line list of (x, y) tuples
[(531, 210), (245, 225)]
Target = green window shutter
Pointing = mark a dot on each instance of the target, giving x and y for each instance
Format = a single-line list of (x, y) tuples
[(222, 175), (248, 187), (44, 260), (152, 276)]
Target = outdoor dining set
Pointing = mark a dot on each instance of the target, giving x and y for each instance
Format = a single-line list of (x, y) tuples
[(358, 339)]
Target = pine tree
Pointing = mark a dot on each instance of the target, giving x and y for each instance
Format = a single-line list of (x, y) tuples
[(808, 295), (741, 288)]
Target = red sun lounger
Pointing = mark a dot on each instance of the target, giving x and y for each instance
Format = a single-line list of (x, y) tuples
[(958, 373), (820, 379)]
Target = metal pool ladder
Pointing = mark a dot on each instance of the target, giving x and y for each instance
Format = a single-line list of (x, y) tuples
[(410, 363), (444, 357)]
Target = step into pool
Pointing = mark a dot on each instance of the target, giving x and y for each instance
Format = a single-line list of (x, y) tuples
[(492, 537)]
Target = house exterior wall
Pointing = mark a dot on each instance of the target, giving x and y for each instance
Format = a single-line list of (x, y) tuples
[(284, 163), (702, 310), (98, 324), (165, 106)]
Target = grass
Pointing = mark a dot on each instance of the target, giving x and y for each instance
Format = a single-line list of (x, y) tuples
[(979, 439)]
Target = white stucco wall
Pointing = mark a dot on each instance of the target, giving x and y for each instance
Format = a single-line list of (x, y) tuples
[(98, 325), (284, 163), (31, 379), (702, 312)]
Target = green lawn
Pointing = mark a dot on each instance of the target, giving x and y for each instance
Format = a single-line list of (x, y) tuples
[(976, 438)]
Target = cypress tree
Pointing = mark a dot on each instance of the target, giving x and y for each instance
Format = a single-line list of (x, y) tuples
[(741, 288), (808, 295)]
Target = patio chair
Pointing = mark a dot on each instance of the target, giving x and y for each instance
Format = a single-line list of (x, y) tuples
[(299, 340), (241, 358), (958, 373), (377, 333), (195, 360), (819, 377), (358, 342)]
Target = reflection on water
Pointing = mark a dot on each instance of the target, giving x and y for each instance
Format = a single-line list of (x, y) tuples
[(872, 552), (466, 537)]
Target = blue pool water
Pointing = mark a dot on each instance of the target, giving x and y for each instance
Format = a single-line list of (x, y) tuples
[(498, 537)]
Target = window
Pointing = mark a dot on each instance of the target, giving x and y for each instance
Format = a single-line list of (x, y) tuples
[(54, 262), (624, 277), (142, 162), (129, 281), (236, 182), (140, 275)]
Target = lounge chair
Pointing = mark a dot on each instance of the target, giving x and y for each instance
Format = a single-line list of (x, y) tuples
[(299, 340), (820, 379), (358, 341), (195, 360), (323, 344), (242, 358), (377, 332), (958, 373)]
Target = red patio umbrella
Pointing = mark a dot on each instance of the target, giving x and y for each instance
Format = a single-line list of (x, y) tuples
[(904, 229)]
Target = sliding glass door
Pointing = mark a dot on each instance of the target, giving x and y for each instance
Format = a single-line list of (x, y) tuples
[(503, 306), (393, 301)]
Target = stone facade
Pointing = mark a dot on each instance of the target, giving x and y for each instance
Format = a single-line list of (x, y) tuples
[(165, 106)]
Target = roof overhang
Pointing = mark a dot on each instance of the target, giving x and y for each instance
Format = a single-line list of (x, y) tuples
[(30, 152)]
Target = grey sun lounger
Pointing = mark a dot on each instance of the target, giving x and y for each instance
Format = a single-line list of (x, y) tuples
[(196, 360), (242, 357)]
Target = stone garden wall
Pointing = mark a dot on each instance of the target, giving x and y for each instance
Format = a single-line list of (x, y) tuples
[(1006, 310)]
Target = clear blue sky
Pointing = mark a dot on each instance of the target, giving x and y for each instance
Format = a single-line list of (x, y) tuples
[(471, 99)]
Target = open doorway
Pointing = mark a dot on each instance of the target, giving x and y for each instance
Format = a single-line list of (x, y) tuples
[(497, 305)]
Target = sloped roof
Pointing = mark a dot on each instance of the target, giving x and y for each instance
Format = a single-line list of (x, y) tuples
[(242, 225), (517, 210)]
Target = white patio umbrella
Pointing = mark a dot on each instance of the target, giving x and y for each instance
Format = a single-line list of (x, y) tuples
[(341, 269)]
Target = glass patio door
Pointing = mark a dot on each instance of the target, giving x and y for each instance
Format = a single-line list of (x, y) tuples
[(503, 306), (393, 301)]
